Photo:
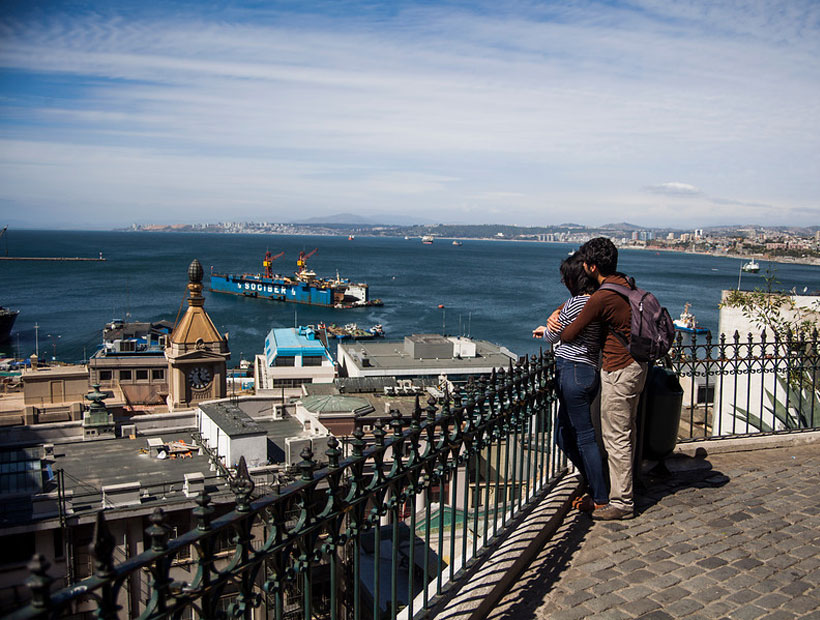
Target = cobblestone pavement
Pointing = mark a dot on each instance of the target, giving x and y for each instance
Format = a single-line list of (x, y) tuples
[(739, 539)]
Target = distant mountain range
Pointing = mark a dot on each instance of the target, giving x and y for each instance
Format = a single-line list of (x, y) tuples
[(373, 220)]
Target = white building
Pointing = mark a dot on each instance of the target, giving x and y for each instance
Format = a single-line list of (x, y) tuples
[(751, 398), (292, 357), (422, 355)]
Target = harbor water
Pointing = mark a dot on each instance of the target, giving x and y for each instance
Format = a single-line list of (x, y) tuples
[(493, 290)]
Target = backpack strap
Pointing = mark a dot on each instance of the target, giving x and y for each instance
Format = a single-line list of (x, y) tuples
[(624, 292)]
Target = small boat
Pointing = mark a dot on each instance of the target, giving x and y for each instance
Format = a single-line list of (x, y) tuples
[(427, 239), (751, 267), (687, 323), (351, 330), (457, 243)]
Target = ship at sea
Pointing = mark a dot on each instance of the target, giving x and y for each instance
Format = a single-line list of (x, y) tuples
[(7, 318), (303, 287), (688, 323), (751, 267)]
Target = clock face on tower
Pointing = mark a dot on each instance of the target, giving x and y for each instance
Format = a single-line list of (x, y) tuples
[(199, 377)]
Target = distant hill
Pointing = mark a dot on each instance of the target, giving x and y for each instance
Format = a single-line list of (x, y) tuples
[(621, 226), (338, 218), (371, 220)]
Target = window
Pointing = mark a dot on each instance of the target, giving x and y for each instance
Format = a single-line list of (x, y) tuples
[(125, 375), (285, 360), (312, 360), (290, 382), (105, 375), (142, 374), (158, 374)]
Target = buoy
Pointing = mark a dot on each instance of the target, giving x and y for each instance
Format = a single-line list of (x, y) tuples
[(441, 306)]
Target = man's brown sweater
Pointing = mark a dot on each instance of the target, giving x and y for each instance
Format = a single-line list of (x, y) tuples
[(613, 311)]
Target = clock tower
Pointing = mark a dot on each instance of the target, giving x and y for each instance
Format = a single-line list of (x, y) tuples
[(197, 353)]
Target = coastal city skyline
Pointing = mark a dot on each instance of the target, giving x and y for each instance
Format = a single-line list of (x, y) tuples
[(671, 115)]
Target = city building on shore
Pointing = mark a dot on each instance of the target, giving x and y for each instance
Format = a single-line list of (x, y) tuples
[(423, 355), (293, 357), (131, 361)]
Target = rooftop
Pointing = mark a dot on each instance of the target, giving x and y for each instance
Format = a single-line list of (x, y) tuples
[(393, 355), (293, 341), (90, 465)]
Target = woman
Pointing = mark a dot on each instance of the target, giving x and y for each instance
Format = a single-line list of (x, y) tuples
[(578, 382)]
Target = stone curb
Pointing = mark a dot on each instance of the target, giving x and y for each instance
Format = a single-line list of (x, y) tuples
[(742, 443)]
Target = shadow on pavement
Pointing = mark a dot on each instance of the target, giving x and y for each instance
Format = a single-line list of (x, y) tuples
[(545, 570), (667, 477)]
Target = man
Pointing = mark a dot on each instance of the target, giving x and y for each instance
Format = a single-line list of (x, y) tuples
[(622, 378)]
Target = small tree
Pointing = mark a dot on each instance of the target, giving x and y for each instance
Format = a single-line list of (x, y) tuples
[(795, 329)]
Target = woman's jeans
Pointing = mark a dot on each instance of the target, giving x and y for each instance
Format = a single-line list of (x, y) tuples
[(577, 388)]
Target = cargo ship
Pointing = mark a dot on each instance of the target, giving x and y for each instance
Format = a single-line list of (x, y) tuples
[(303, 287)]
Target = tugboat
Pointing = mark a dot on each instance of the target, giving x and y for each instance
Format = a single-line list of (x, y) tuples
[(303, 287), (687, 323), (751, 267)]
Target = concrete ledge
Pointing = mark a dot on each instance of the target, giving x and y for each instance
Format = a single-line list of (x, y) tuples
[(477, 592), (741, 443)]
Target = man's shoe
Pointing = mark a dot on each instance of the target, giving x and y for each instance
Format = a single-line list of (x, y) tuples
[(586, 504), (611, 513)]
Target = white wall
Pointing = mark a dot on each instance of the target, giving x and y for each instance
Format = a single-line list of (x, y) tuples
[(752, 393)]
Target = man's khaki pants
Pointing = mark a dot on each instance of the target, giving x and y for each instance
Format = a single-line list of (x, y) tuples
[(620, 394)]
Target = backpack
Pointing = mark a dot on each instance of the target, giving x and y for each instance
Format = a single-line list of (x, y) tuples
[(652, 331)]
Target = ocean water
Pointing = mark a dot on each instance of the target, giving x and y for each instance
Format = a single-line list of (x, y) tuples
[(494, 290)]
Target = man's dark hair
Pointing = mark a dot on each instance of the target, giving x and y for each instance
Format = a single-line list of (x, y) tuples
[(575, 278), (602, 253)]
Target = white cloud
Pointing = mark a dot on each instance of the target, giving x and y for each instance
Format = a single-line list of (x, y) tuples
[(675, 189), (577, 107)]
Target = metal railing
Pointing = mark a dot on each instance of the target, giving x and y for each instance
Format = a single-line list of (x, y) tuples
[(381, 534), (748, 385), (376, 535)]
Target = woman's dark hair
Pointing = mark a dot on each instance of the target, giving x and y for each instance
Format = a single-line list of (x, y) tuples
[(575, 278), (602, 253)]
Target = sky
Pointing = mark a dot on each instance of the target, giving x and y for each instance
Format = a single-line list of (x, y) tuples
[(663, 114)]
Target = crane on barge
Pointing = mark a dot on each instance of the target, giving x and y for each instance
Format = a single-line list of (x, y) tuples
[(302, 272), (268, 263)]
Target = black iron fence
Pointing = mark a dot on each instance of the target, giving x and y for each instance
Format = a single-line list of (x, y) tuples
[(740, 385), (376, 535), (381, 534)]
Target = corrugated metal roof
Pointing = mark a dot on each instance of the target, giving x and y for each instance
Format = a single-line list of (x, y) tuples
[(330, 403)]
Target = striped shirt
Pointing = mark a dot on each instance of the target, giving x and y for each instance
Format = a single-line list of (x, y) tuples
[(586, 348)]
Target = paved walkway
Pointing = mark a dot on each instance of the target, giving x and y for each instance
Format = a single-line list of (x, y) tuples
[(739, 539)]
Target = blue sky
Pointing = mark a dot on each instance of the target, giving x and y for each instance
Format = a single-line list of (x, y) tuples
[(681, 114)]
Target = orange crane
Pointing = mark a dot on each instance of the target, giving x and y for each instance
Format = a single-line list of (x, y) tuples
[(301, 263), (268, 263)]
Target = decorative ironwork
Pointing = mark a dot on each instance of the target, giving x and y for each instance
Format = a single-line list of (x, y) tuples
[(421, 486), (387, 527), (741, 385)]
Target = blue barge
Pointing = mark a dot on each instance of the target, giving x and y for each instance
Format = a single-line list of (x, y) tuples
[(304, 287)]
